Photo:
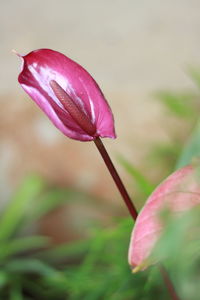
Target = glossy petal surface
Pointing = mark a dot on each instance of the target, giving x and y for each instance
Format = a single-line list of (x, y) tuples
[(179, 192), (42, 66)]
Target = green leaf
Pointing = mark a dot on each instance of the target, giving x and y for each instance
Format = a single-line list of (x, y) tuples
[(191, 149), (181, 105), (31, 265), (53, 198), (195, 75), (179, 249), (3, 279), (16, 209), (15, 292), (64, 251), (142, 182), (15, 246), (46, 203)]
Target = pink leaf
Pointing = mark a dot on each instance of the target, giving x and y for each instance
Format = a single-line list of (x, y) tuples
[(178, 193), (67, 94)]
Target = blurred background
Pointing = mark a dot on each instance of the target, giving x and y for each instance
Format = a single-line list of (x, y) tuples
[(142, 54), (132, 49)]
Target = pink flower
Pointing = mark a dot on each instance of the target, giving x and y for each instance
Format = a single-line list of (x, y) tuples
[(67, 94), (178, 193)]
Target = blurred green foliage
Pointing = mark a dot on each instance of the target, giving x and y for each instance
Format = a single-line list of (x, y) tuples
[(96, 267), (179, 249), (143, 184)]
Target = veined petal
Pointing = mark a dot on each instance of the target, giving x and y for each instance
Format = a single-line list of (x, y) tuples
[(178, 193), (40, 67)]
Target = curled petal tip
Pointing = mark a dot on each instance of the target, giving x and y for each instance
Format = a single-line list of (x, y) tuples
[(16, 53)]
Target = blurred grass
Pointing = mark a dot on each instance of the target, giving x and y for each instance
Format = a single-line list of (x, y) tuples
[(180, 105), (143, 184), (95, 268), (14, 213)]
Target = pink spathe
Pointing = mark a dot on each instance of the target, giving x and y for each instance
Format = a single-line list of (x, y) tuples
[(42, 67), (179, 192)]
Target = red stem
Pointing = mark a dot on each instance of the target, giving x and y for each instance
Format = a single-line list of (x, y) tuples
[(116, 178), (168, 283)]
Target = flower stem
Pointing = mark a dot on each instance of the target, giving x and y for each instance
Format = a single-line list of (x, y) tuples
[(116, 178), (100, 146), (168, 283)]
